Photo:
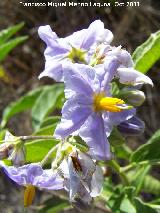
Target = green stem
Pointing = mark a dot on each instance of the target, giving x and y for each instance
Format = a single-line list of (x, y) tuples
[(28, 138), (142, 163), (47, 157), (117, 168), (32, 137)]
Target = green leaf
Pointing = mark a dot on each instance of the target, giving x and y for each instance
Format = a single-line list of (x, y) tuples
[(148, 53), (49, 100), (123, 151), (151, 185), (9, 32), (36, 150), (50, 120), (148, 152), (137, 177), (47, 130), (108, 188), (121, 199), (143, 207), (126, 206), (7, 47), (24, 103)]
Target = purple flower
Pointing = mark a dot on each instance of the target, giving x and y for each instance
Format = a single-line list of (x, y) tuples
[(83, 178), (76, 48), (31, 176), (90, 110)]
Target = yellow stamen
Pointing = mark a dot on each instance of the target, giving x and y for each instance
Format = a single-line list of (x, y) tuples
[(29, 195), (107, 103)]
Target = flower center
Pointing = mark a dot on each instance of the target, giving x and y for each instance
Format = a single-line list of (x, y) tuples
[(29, 195), (77, 55), (102, 103)]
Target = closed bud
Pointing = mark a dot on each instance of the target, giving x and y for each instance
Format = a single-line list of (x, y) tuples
[(18, 155), (134, 126), (132, 96), (13, 149)]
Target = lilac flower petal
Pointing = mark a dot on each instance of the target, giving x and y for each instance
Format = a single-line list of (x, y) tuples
[(53, 70), (118, 117), (108, 125), (132, 76), (79, 78), (33, 174), (74, 181), (88, 165), (94, 36), (93, 133), (74, 40), (50, 38), (49, 180), (125, 58), (106, 37), (78, 188), (97, 182), (46, 34), (110, 71), (74, 113), (23, 175)]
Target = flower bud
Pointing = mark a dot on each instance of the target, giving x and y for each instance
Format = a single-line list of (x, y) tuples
[(18, 155), (134, 126), (12, 149), (132, 96)]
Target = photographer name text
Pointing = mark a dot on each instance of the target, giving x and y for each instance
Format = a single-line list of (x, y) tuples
[(80, 4)]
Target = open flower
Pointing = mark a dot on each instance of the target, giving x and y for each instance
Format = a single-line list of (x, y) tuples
[(31, 176), (90, 111), (75, 48), (82, 178)]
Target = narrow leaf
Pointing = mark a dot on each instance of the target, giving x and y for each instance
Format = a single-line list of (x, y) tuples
[(7, 47), (50, 120), (9, 32), (148, 151), (24, 103), (148, 53)]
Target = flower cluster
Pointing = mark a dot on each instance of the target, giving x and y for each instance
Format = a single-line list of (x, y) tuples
[(88, 64), (90, 68)]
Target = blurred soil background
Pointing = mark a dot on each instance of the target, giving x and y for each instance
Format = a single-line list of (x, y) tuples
[(131, 26)]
